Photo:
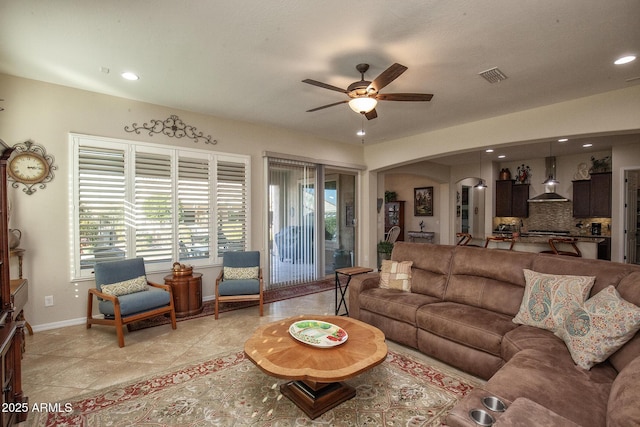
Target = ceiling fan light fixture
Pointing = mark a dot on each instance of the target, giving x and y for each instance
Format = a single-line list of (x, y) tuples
[(363, 104)]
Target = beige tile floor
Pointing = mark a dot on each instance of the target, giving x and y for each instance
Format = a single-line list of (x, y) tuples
[(62, 363)]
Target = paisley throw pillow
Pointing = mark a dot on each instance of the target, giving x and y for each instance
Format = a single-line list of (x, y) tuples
[(597, 329), (548, 297), (131, 286)]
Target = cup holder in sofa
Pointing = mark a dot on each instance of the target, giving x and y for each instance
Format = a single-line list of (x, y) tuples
[(494, 404), (481, 417)]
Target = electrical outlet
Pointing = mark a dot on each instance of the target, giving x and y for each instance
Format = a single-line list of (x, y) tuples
[(48, 301)]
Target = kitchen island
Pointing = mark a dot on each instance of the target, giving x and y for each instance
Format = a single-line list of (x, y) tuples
[(588, 245)]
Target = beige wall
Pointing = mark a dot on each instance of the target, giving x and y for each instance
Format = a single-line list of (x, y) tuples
[(615, 112), (46, 114)]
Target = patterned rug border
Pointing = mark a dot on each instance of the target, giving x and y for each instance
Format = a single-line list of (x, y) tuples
[(88, 403), (270, 296)]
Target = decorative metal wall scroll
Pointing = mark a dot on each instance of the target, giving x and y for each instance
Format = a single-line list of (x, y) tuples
[(173, 127), (30, 165)]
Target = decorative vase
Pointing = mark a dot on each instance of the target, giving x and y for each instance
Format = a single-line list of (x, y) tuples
[(14, 238)]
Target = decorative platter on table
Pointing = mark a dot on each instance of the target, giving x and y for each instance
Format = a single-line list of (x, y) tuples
[(318, 333)]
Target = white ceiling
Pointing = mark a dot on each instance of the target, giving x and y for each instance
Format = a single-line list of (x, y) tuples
[(245, 59)]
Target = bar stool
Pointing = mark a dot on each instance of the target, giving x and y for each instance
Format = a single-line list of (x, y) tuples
[(463, 239), (499, 239), (567, 240)]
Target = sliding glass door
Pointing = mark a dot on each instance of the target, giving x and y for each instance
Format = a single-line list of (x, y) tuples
[(292, 222), (312, 223)]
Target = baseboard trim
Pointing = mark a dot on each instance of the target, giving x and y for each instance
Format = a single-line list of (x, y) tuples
[(57, 325)]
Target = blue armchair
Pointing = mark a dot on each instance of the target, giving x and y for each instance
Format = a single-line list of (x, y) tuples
[(125, 295), (240, 279)]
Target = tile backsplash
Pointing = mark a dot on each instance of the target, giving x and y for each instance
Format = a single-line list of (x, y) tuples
[(556, 216)]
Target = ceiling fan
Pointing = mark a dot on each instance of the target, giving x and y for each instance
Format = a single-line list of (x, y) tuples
[(364, 95)]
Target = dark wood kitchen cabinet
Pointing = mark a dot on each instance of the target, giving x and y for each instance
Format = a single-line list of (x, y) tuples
[(592, 198), (600, 195), (511, 199)]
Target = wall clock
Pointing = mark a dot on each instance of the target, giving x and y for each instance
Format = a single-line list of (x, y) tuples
[(30, 165)]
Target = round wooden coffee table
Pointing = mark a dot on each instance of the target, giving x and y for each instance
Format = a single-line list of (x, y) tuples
[(317, 373)]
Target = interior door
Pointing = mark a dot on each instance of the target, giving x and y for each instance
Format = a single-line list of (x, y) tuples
[(632, 217)]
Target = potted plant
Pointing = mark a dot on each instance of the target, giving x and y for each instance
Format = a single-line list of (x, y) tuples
[(384, 251)]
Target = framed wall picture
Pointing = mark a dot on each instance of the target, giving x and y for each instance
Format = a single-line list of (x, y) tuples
[(423, 201)]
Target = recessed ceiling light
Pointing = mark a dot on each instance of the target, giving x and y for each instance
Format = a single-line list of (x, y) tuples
[(501, 156), (129, 75), (489, 150), (624, 59), (361, 132), (587, 145), (563, 139)]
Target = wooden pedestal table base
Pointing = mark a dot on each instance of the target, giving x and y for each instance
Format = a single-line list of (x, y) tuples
[(317, 373)]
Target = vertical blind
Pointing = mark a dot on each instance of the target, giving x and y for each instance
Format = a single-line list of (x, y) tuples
[(145, 200), (292, 213)]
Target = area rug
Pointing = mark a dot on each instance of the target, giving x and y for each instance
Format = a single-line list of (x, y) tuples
[(271, 295), (230, 390)]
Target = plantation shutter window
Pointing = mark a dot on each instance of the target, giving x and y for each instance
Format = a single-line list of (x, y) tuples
[(231, 202), (153, 204), (135, 199), (193, 208), (101, 205)]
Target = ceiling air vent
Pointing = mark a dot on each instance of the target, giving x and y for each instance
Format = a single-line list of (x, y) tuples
[(493, 75)]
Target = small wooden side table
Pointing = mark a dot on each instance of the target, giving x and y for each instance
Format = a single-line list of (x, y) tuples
[(342, 290), (187, 293)]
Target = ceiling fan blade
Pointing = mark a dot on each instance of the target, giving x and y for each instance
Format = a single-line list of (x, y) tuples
[(387, 76), (327, 106), (371, 114), (324, 85), (404, 96)]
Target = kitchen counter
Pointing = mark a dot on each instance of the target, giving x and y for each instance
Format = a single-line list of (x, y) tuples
[(588, 244)]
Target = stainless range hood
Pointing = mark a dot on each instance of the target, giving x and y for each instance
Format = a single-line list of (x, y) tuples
[(549, 195)]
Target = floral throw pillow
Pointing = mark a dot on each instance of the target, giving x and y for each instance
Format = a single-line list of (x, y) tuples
[(131, 286), (600, 327), (241, 273), (548, 297), (396, 275)]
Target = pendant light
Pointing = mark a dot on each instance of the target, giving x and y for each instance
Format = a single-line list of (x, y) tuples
[(481, 184)]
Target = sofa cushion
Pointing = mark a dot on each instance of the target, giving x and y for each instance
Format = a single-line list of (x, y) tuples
[(524, 337), (623, 408), (396, 275), (137, 302), (606, 272), (430, 266), (394, 303), (488, 278), (555, 382), (471, 326), (601, 326), (138, 284), (548, 298), (629, 289)]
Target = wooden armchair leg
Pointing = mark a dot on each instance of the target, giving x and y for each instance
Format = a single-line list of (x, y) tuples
[(216, 309), (89, 311)]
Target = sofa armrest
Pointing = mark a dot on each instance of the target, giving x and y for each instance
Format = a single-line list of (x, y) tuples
[(527, 413), (360, 283)]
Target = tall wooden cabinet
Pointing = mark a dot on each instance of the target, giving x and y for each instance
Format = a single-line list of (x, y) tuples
[(14, 404), (592, 197), (394, 215), (512, 199)]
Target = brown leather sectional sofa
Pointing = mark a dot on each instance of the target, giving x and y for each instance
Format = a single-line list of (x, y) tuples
[(460, 310)]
